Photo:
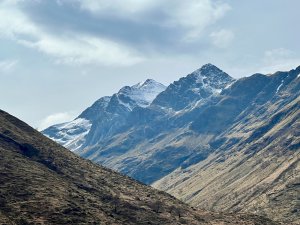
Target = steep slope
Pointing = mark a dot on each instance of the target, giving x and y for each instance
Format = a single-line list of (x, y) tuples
[(104, 117), (43, 183), (253, 161)]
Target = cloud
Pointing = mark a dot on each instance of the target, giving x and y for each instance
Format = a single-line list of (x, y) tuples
[(222, 38), (116, 32), (7, 65), (84, 50), (14, 23), (118, 6), (71, 49), (193, 16), (274, 55), (279, 59), (56, 118)]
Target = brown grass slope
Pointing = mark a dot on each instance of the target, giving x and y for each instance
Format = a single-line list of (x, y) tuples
[(43, 183), (255, 168)]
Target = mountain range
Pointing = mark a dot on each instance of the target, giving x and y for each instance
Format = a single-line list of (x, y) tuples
[(212, 141)]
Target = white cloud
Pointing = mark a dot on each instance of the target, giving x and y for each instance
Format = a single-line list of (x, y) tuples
[(277, 54), (14, 23), (222, 38), (279, 59), (84, 50), (74, 49), (7, 65), (56, 118), (119, 6), (193, 15)]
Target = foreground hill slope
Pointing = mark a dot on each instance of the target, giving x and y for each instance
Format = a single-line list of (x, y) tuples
[(43, 183)]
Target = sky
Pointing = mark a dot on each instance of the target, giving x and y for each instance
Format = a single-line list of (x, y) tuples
[(58, 56)]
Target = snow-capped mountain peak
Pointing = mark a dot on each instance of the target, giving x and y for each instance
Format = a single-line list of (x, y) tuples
[(211, 73), (211, 78), (70, 134), (140, 94), (200, 84)]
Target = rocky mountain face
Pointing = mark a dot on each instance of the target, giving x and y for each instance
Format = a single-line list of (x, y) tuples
[(200, 84), (213, 142), (44, 183)]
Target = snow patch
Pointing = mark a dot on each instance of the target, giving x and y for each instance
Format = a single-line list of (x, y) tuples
[(127, 105), (71, 134), (142, 93), (211, 80), (278, 88)]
